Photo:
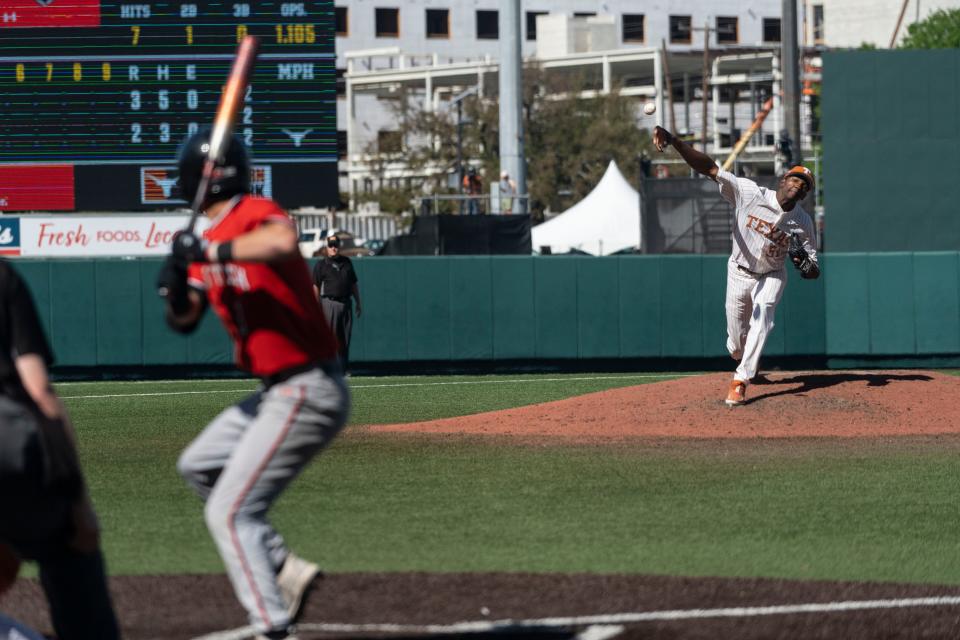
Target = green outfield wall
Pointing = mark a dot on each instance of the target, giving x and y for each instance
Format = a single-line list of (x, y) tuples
[(106, 313), (890, 140)]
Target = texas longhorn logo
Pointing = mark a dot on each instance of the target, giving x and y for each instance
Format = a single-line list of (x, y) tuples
[(158, 185)]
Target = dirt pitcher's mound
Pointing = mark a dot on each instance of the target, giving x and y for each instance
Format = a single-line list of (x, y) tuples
[(842, 403)]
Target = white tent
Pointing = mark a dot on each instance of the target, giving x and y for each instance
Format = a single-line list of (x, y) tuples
[(604, 222)]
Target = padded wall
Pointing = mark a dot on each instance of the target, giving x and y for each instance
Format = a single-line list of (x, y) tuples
[(105, 313), (890, 140)]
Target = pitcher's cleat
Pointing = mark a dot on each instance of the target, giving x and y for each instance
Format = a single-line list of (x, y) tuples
[(737, 394)]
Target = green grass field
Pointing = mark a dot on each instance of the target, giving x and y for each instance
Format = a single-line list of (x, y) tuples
[(870, 510)]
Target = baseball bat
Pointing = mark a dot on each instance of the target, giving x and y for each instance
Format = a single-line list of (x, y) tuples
[(230, 99), (745, 138)]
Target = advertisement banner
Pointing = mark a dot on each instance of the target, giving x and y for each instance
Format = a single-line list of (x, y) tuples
[(49, 13), (36, 187), (89, 236), (9, 236)]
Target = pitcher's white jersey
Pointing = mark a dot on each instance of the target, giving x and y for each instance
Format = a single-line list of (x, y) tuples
[(758, 246)]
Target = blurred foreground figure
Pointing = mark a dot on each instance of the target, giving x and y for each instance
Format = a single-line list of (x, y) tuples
[(47, 514)]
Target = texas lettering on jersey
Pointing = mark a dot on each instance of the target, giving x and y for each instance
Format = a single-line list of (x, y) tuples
[(779, 240)]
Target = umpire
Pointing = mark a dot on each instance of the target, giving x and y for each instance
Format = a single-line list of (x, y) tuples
[(334, 283), (47, 513)]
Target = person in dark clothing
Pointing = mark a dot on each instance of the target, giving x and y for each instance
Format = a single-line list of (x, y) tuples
[(335, 284), (47, 517)]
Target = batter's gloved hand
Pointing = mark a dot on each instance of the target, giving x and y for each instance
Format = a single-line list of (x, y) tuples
[(801, 259), (188, 247), (172, 283)]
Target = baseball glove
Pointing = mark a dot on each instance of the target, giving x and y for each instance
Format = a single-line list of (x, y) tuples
[(801, 260)]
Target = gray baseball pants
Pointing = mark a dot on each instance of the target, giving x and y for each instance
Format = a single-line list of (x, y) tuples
[(241, 463)]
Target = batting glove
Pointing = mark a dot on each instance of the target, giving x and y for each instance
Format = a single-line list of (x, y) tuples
[(188, 247)]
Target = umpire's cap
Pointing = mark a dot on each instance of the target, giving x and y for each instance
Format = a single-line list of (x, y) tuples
[(804, 174), (232, 177)]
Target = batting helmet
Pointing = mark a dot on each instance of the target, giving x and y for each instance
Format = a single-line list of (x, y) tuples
[(804, 174), (230, 178)]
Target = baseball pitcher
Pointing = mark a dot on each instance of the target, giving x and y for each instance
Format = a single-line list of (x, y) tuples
[(247, 266), (768, 227)]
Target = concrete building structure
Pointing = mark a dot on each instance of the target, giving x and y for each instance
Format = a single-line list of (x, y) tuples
[(439, 48), (852, 23)]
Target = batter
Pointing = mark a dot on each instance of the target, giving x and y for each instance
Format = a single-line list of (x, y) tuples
[(248, 268), (768, 225)]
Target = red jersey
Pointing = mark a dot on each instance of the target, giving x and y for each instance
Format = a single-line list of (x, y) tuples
[(268, 308)]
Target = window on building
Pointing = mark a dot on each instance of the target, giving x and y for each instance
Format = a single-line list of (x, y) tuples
[(488, 25), (727, 32), (343, 27), (388, 23), (438, 23), (633, 27), (389, 141), (532, 23), (584, 14), (771, 29), (341, 144), (680, 28), (818, 23), (341, 83)]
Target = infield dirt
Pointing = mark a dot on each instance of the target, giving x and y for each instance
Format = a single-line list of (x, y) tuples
[(851, 404)]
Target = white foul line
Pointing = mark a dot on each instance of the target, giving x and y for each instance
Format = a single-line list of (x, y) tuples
[(393, 385), (593, 632), (480, 626), (164, 393), (69, 383)]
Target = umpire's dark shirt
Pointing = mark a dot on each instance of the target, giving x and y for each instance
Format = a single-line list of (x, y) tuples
[(20, 331), (335, 277)]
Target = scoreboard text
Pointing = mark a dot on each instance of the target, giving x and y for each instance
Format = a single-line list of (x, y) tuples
[(113, 89)]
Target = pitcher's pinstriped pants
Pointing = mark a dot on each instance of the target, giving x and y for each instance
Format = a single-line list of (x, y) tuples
[(241, 463), (751, 303)]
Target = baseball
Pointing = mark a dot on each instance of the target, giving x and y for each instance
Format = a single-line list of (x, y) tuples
[(650, 108)]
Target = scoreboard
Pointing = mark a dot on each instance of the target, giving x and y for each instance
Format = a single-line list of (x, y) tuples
[(101, 94)]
